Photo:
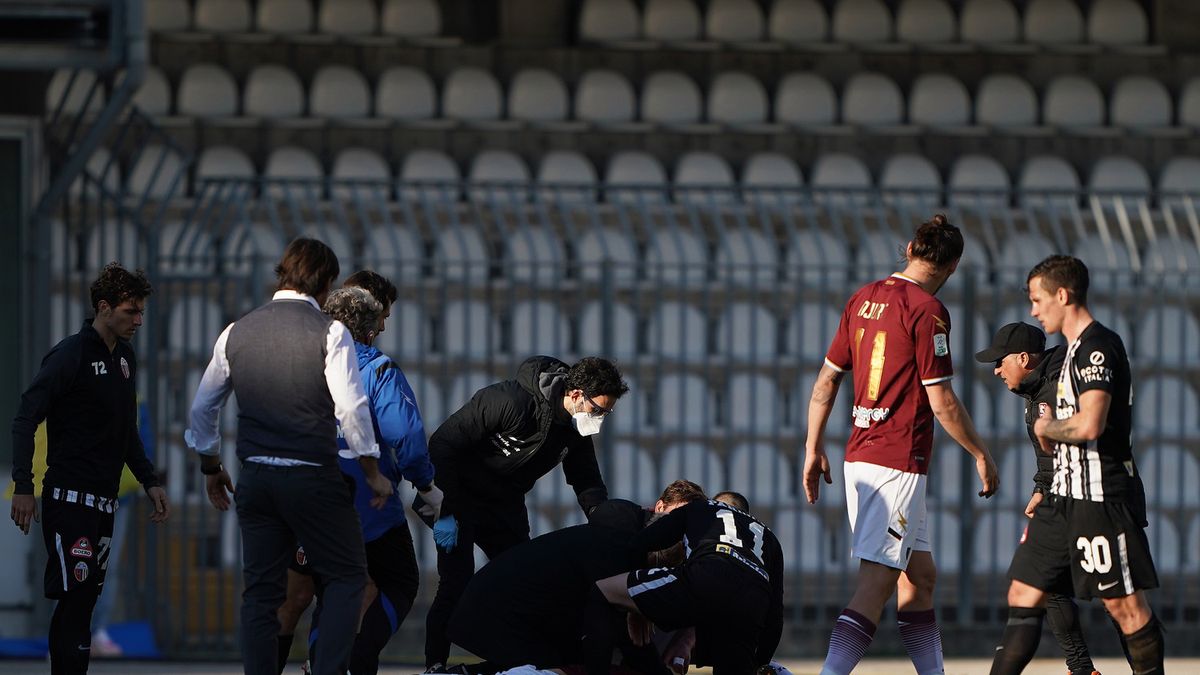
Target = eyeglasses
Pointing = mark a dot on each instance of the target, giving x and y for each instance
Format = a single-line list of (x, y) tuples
[(597, 409)]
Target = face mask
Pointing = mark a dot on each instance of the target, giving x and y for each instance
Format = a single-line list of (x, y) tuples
[(585, 424)]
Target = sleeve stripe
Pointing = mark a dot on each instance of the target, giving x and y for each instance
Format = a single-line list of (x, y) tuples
[(936, 380), (832, 366)]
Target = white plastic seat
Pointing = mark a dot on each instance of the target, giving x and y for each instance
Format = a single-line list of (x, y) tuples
[(167, 15), (427, 391), (1018, 253), (678, 330), (963, 352), (193, 323), (186, 251), (604, 96), (677, 257), (798, 21), (411, 18), (206, 90), (433, 167), (978, 179), (632, 471), (460, 254), (1165, 546), (1018, 465), (753, 406), (1192, 557), (1072, 101), (339, 92), (395, 252), (872, 99), (103, 174), (913, 180), (748, 332), (224, 161), (1053, 22), (880, 254), (939, 100), (805, 99), (733, 21), (763, 473), (772, 178), (538, 327), (469, 330), (703, 179), (503, 175), (670, 97), (989, 22), (1006, 101), (109, 241), (997, 533), (1180, 174), (534, 255), (1108, 264), (606, 248), (748, 257), (292, 162), (67, 313), (1048, 173), (862, 21), (810, 332), (284, 17), (817, 258), (1170, 334), (566, 176), (671, 20), (273, 91), (635, 408), (471, 94), (252, 248), (222, 16), (464, 386), (622, 323), (806, 545), (336, 238), (1168, 405), (153, 97), (1117, 22), (537, 95), (736, 98), (361, 164), (839, 179), (692, 461), (609, 20), (925, 22), (1140, 102), (633, 177), (347, 17), (1189, 103), (155, 172), (405, 93), (1119, 174), (1170, 474), (1166, 256)]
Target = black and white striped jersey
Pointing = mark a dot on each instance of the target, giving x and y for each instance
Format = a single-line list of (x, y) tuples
[(1103, 469)]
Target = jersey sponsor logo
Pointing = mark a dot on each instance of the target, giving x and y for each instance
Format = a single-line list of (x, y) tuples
[(301, 556), (124, 367), (1091, 374), (1097, 358), (941, 345), (81, 571), (863, 416), (82, 548)]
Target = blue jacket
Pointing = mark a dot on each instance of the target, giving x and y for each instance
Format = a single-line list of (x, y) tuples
[(403, 453)]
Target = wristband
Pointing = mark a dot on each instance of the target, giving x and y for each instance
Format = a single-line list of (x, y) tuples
[(212, 472)]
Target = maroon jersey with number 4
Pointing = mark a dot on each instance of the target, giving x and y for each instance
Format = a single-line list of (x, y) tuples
[(895, 339)]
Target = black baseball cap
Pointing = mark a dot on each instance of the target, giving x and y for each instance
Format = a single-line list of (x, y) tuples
[(1013, 338)]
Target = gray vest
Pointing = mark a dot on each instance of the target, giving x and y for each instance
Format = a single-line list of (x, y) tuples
[(276, 359)]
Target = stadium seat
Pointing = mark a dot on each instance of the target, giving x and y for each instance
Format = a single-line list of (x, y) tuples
[(566, 177), (938, 100), (471, 94), (433, 167), (273, 91), (1168, 334), (537, 95), (253, 248), (1053, 22), (945, 483), (67, 313), (358, 165), (222, 16), (997, 531), (405, 93), (839, 179), (395, 252), (157, 171), (1006, 101), (64, 249), (761, 473), (810, 331), (963, 350), (534, 255), (862, 21), (1168, 405), (989, 22), (733, 21), (634, 410), (101, 168), (753, 406), (1140, 102), (978, 179), (411, 18), (336, 239), (946, 530), (604, 97), (292, 162), (771, 178), (703, 179), (463, 386), (1108, 263), (879, 254), (1073, 102), (805, 99), (339, 92), (427, 390), (186, 251), (284, 17), (1117, 22), (224, 161), (1047, 181), (676, 256), (1171, 257), (925, 22), (500, 176), (692, 461), (670, 97), (538, 327), (912, 181), (468, 331), (872, 99), (678, 330), (1120, 175), (1180, 175), (347, 18), (167, 15), (806, 545), (193, 324), (1018, 464), (1170, 474), (737, 99), (1019, 251), (671, 20), (798, 21), (631, 470), (635, 177), (818, 258), (603, 20), (1165, 547), (603, 251), (460, 254), (748, 257), (748, 332), (153, 97), (206, 90), (620, 321), (1192, 557), (1189, 104)]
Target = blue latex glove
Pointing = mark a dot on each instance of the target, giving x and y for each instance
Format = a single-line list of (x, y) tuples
[(445, 533)]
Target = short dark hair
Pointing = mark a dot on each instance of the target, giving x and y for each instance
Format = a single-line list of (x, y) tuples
[(735, 499), (937, 242), (682, 491), (596, 377), (307, 266), (117, 284), (1062, 271), (376, 284)]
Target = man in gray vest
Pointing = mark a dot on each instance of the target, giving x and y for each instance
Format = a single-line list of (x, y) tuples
[(295, 374)]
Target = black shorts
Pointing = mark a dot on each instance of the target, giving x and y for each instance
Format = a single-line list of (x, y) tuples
[(77, 528), (1086, 549)]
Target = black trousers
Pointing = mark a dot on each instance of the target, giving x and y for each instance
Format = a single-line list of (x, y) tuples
[(276, 507)]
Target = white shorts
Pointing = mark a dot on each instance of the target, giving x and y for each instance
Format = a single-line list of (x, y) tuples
[(887, 513)]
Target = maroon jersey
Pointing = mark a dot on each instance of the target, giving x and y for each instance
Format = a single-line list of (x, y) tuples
[(895, 338)]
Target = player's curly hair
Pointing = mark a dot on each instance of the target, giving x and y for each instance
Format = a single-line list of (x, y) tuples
[(117, 284), (376, 284), (682, 491), (596, 377), (357, 309), (937, 242), (1063, 271)]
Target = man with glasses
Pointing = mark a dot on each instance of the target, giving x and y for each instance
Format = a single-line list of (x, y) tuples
[(489, 454)]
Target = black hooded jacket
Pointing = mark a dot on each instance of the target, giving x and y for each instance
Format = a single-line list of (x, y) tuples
[(493, 449), (1039, 389)]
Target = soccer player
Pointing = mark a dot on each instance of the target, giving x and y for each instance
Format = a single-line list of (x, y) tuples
[(895, 338), (85, 391), (1089, 536)]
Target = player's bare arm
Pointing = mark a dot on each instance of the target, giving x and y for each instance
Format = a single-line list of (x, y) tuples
[(955, 419), (1085, 425), (820, 406)]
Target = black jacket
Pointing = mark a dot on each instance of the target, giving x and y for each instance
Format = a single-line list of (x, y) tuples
[(1039, 389), (492, 450), (88, 397)]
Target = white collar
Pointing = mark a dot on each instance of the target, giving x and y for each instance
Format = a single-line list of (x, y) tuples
[(288, 294), (901, 276)]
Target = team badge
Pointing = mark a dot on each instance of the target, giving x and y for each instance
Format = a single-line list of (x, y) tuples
[(1043, 409), (81, 571), (125, 367), (82, 548), (1097, 358), (301, 557), (941, 345)]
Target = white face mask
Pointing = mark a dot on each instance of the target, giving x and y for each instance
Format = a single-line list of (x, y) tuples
[(585, 424)]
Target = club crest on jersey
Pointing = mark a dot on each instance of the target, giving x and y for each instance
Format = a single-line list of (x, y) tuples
[(1097, 358), (124, 367), (81, 571), (1043, 409), (82, 548), (941, 345), (301, 556)]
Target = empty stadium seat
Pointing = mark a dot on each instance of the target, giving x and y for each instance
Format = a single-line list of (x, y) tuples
[(503, 176), (733, 21), (102, 171), (222, 16), (978, 179), (186, 251), (635, 408), (989, 22), (818, 258), (284, 17), (635, 177), (879, 254), (67, 313), (692, 461), (1167, 405), (1053, 22), (347, 17), (427, 390), (273, 91), (253, 249), (1172, 257), (810, 331), (736, 98), (862, 21), (1053, 177), (1072, 101), (405, 93), (1189, 103), (339, 92), (678, 330), (603, 20), (670, 97), (538, 327), (1168, 334), (436, 169), (806, 545), (762, 474), (167, 15), (748, 331), (1108, 263), (1018, 465), (193, 323), (771, 178), (471, 94), (206, 90), (913, 180), (839, 179), (604, 96), (335, 238), (963, 351), (1120, 175), (925, 22), (872, 99), (534, 255), (684, 405), (1170, 474), (408, 337), (798, 21), (618, 321), (1005, 101), (602, 251), (1140, 102), (224, 161), (1165, 546), (1117, 22), (395, 252), (362, 164), (631, 470), (676, 256), (468, 330), (997, 531), (748, 257), (1180, 175), (671, 20), (805, 99), (153, 97), (159, 173), (1192, 557), (703, 179), (1019, 251), (292, 162), (939, 100), (460, 254), (411, 18), (566, 176), (537, 95)]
